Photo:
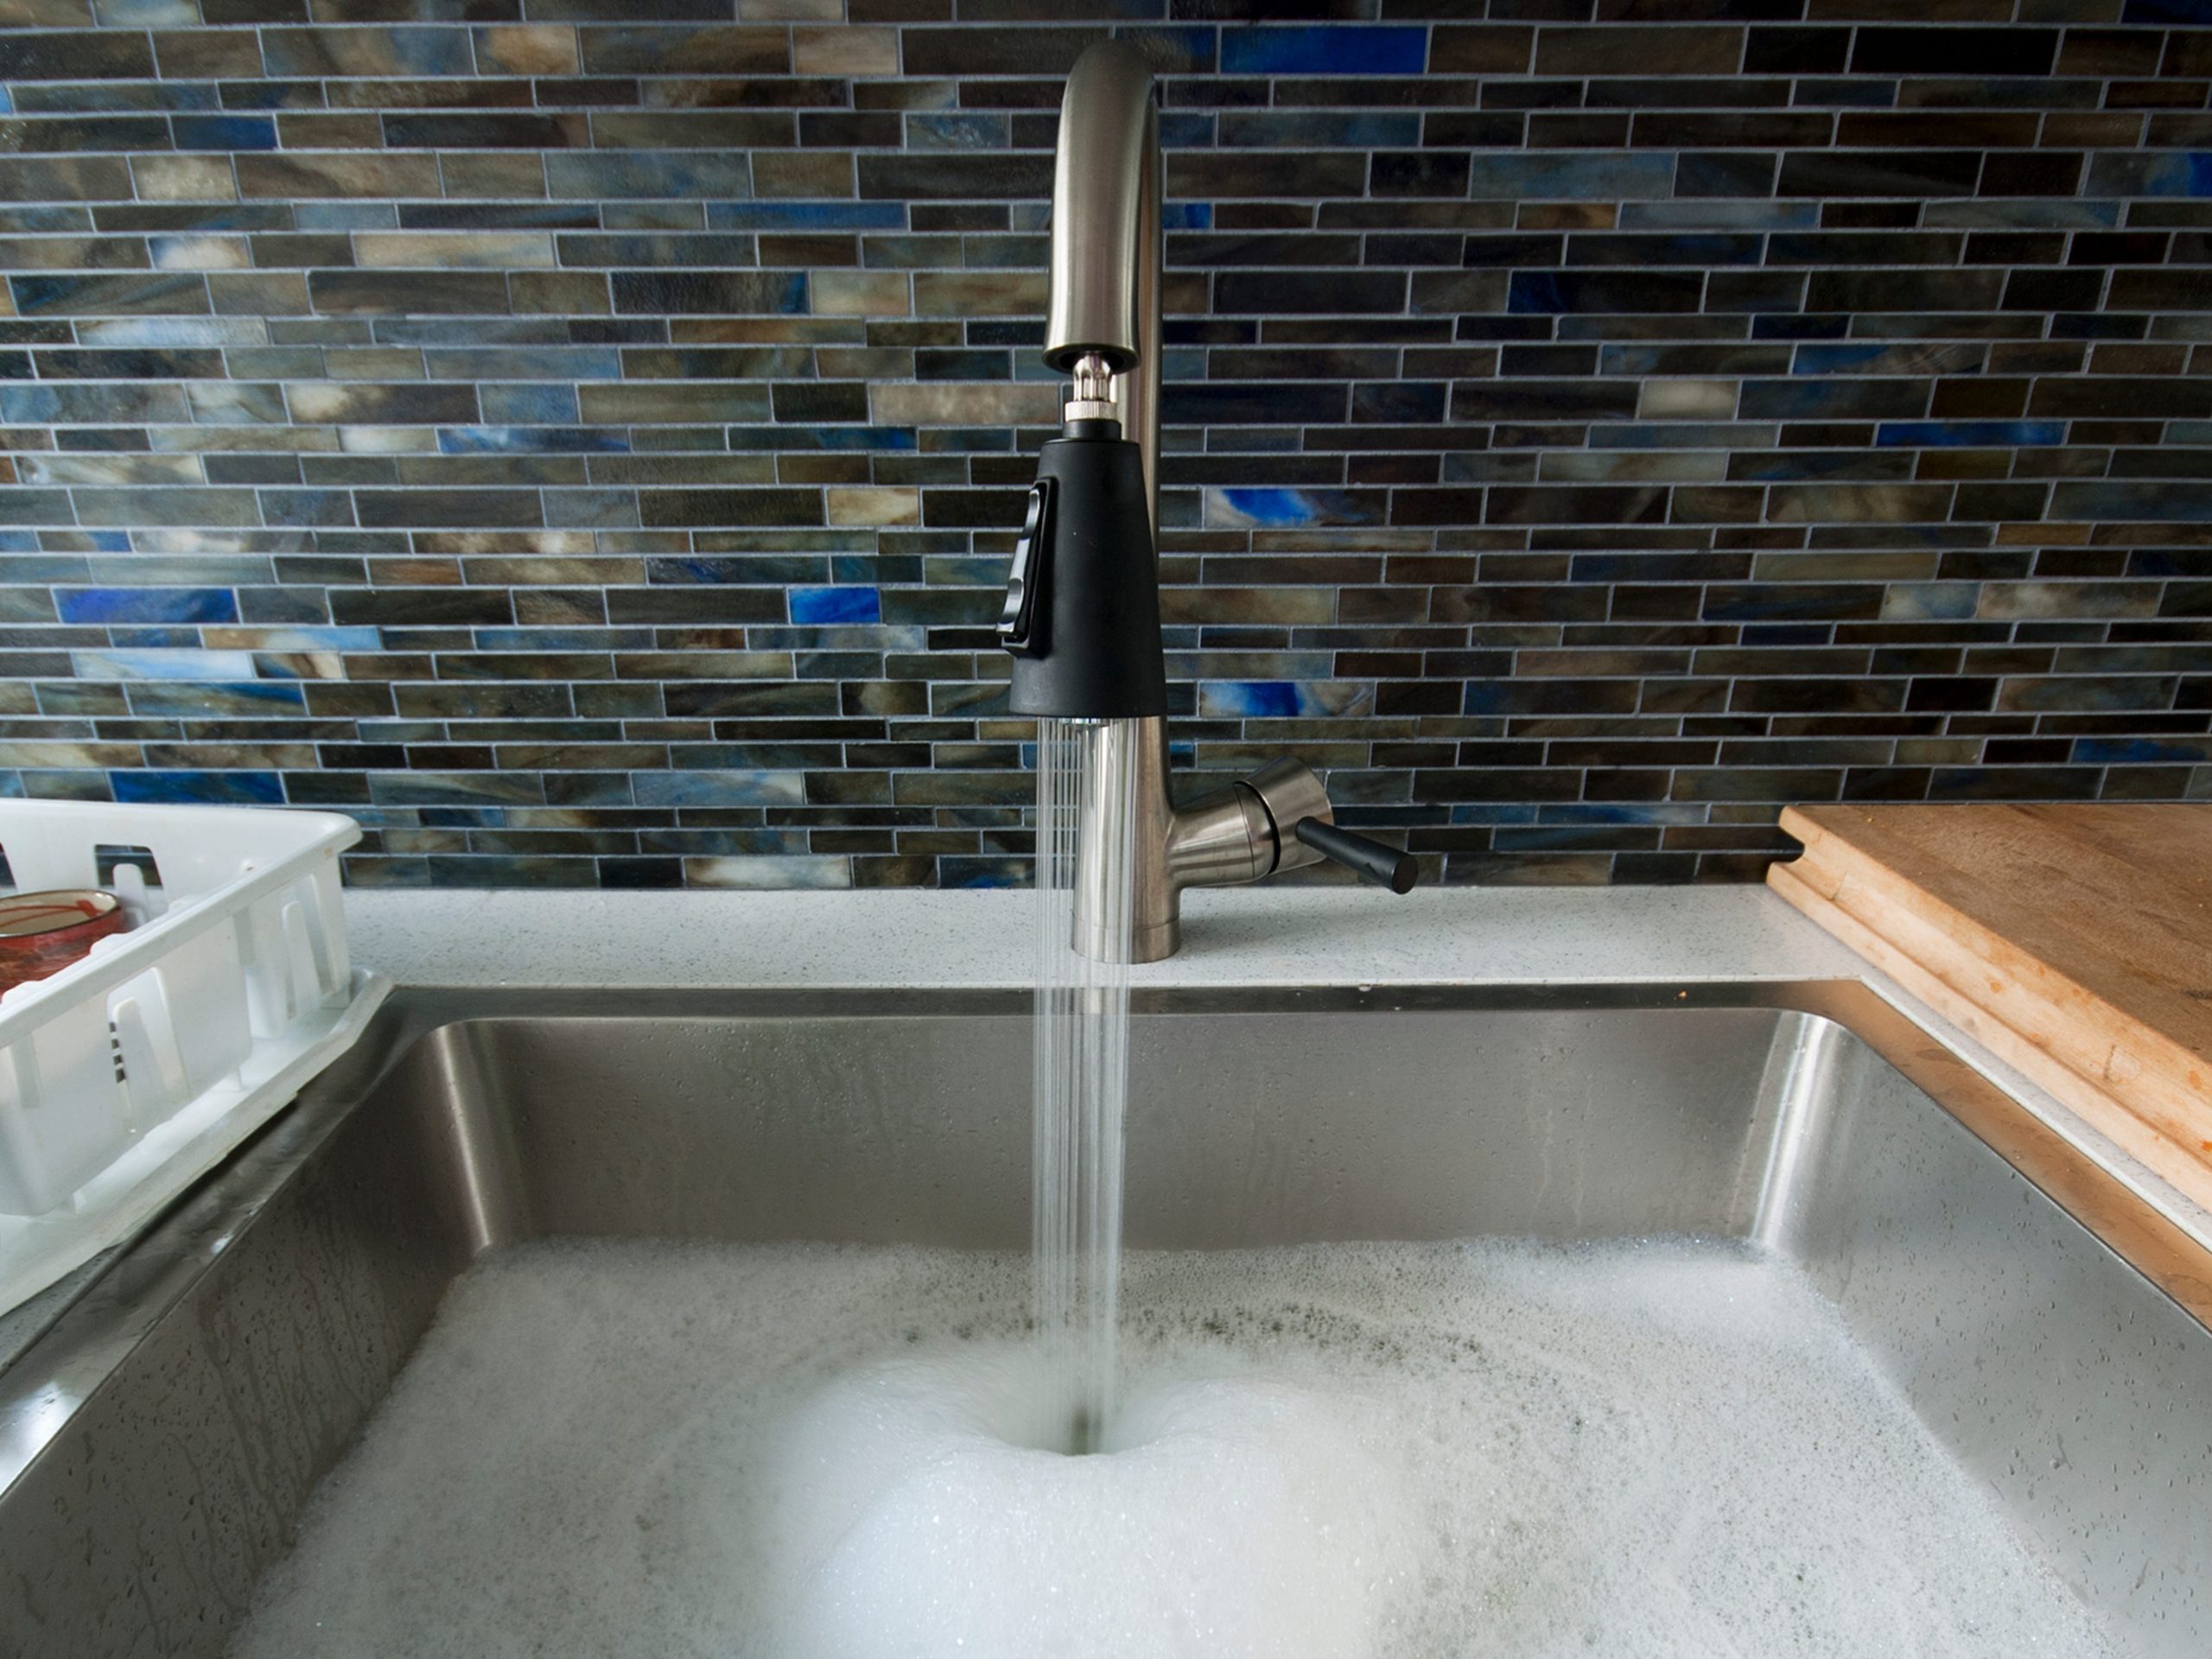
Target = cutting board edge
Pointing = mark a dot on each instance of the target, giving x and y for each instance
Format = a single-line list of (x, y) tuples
[(2175, 1163), (1834, 866)]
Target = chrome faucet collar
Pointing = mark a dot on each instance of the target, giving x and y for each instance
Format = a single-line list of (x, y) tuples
[(1092, 397)]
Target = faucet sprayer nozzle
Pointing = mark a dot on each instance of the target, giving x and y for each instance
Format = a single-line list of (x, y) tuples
[(1082, 616)]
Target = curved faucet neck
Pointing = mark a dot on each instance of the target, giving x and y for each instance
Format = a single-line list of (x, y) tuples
[(1106, 202)]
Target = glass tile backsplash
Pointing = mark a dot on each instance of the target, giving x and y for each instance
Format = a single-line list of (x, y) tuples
[(582, 439)]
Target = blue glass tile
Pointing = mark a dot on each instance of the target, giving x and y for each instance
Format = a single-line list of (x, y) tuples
[(513, 364), (1187, 216), (806, 215), (384, 872), (821, 437), (769, 870), (967, 129), (1250, 699), (157, 637), (279, 665), (1285, 509), (1320, 49), (857, 638), (114, 332), (224, 131), (1551, 837), (2171, 173), (133, 665), (148, 13), (1271, 509), (1180, 48), (1319, 129), (1929, 600), (2170, 501), (2142, 751), (719, 788), (1969, 435), (2194, 167), (1716, 215), (345, 215), (1556, 175), (198, 788), (523, 440), (456, 788), (2021, 213), (828, 606), (1187, 129), (146, 604), (409, 49), (258, 95), (588, 638), (1619, 812), (957, 872), (2185, 12), (1838, 360), (188, 698), (756, 569), (1770, 325), (643, 175), (524, 404)]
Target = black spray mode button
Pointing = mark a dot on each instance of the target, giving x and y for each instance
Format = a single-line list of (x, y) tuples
[(1020, 624)]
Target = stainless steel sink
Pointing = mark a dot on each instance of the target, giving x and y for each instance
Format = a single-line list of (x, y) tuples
[(159, 1440)]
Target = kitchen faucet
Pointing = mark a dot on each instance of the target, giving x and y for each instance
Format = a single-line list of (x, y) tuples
[(1082, 616)]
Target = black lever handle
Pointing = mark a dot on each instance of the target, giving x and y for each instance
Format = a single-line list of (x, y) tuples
[(1371, 860)]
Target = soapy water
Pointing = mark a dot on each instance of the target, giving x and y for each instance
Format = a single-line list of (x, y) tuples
[(1662, 1450)]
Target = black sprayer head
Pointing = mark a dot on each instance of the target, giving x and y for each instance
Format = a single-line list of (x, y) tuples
[(1082, 619)]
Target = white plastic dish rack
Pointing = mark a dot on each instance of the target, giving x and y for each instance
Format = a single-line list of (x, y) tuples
[(129, 1074)]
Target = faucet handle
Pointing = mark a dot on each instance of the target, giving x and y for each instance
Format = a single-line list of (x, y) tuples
[(1371, 860), (1297, 809)]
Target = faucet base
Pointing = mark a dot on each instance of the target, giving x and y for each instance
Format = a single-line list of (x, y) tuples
[(1149, 941), (1239, 832), (1157, 942)]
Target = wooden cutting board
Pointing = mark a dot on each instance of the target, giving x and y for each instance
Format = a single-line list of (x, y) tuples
[(2073, 941)]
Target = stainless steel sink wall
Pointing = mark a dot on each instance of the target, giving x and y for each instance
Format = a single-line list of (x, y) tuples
[(158, 1443)]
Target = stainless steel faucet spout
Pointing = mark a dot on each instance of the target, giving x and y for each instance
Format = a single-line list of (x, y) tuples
[(1104, 297)]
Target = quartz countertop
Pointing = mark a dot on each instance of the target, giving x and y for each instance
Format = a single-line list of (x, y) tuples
[(1238, 936), (1251, 936)]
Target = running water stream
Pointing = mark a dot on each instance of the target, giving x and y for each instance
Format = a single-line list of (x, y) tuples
[(1085, 841)]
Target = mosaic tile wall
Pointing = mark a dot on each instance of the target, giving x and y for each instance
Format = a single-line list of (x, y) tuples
[(582, 438)]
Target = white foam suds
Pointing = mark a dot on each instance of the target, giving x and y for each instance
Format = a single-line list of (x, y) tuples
[(1660, 1450)]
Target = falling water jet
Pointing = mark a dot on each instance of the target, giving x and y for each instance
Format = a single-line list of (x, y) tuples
[(1085, 828)]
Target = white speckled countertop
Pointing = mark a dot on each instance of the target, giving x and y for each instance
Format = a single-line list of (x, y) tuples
[(1240, 937), (1252, 936)]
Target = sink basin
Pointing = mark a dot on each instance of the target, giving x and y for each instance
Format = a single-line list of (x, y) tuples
[(160, 1439)]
